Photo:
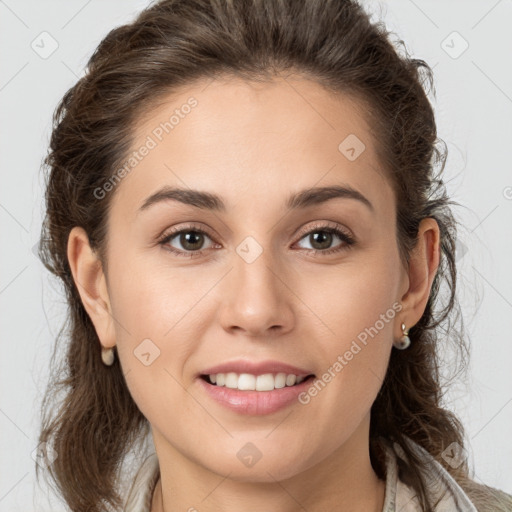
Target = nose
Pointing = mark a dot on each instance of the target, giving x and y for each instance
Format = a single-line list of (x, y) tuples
[(257, 297)]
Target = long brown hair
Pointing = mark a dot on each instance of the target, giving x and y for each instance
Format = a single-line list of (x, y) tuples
[(94, 423)]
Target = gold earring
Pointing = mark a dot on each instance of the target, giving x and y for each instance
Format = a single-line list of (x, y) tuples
[(107, 356), (404, 341)]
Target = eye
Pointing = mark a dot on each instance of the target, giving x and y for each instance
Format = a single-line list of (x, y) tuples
[(191, 238), (322, 236)]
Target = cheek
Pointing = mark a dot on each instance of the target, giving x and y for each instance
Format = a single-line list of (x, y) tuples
[(350, 298), (149, 317), (356, 310), (149, 298)]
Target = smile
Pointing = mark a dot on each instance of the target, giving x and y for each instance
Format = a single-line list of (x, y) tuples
[(250, 382), (254, 395)]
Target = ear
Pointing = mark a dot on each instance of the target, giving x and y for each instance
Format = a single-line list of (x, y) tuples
[(91, 283), (423, 265)]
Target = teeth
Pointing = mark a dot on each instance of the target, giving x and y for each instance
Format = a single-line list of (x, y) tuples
[(247, 381), (231, 380), (290, 380)]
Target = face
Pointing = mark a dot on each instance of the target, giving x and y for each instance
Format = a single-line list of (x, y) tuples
[(314, 284)]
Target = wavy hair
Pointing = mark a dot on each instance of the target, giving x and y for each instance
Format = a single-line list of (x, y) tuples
[(88, 414)]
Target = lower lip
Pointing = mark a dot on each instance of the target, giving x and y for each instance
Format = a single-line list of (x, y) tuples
[(255, 402)]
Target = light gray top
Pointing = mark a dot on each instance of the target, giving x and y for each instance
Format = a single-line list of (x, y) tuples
[(398, 497)]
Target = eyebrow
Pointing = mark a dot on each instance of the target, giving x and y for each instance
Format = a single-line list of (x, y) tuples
[(209, 201)]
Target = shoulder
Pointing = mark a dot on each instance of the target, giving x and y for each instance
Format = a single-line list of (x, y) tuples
[(440, 485), (141, 491)]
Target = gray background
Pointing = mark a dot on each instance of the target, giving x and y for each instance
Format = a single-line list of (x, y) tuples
[(473, 108)]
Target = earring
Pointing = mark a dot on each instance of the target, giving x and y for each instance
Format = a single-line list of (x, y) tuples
[(107, 356), (404, 341)]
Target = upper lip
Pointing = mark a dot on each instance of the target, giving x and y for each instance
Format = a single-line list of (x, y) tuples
[(256, 368)]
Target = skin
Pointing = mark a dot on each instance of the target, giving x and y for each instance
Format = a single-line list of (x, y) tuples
[(254, 144)]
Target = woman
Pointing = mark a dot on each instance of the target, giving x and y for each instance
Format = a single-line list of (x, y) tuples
[(243, 209)]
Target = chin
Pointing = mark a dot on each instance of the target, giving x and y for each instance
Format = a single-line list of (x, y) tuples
[(264, 470)]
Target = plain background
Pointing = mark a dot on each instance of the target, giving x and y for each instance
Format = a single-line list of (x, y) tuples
[(473, 108)]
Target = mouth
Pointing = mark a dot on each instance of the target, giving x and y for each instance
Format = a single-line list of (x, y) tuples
[(251, 382), (252, 394)]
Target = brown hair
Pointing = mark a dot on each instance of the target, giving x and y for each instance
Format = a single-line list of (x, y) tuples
[(169, 45)]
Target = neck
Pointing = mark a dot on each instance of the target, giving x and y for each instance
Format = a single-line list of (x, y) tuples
[(343, 481)]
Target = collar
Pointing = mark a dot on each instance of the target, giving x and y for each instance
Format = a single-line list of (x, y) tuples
[(398, 496)]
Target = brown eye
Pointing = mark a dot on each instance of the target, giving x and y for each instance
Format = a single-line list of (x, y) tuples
[(321, 238), (191, 240), (188, 242)]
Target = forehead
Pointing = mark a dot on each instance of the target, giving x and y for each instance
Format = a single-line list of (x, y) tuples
[(254, 140)]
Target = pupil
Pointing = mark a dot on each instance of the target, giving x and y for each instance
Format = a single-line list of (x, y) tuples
[(326, 237), (192, 238), (187, 239)]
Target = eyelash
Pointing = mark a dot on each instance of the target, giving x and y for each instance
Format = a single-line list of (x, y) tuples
[(323, 228)]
